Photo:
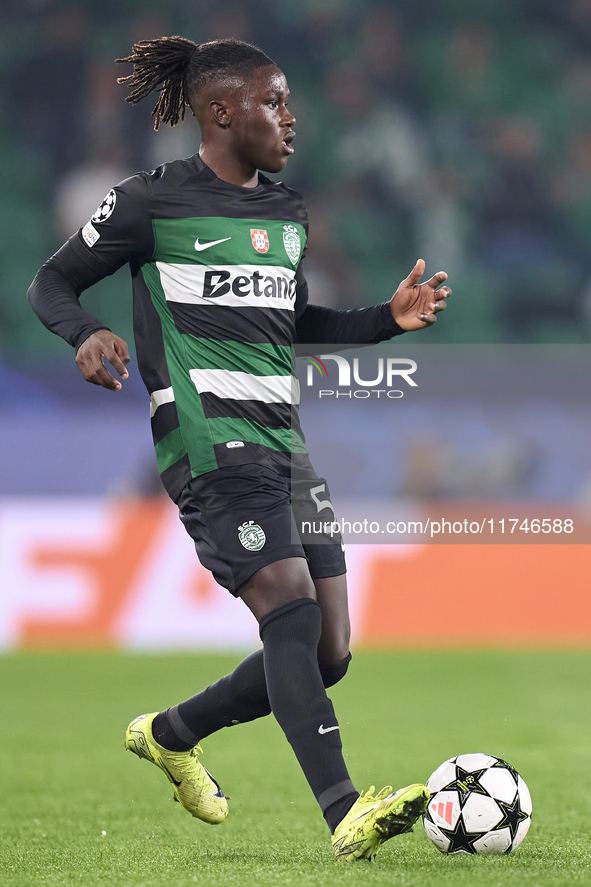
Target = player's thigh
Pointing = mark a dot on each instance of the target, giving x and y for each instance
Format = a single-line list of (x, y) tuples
[(277, 584), (331, 593)]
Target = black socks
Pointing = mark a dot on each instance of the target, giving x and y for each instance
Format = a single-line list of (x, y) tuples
[(339, 810), (286, 677), (237, 698), (163, 733), (290, 636)]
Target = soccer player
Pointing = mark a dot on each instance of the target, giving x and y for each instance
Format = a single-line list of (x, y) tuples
[(220, 299)]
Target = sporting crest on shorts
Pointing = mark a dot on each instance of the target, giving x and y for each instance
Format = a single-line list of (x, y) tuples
[(260, 240), (292, 243), (251, 536)]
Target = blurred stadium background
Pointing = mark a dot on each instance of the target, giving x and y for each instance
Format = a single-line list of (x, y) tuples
[(459, 132)]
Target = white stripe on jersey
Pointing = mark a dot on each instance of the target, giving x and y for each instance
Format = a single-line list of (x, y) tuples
[(157, 398), (236, 385), (236, 286)]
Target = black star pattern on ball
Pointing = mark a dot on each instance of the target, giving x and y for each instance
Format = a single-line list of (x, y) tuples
[(500, 763), (459, 838), (513, 815), (466, 782)]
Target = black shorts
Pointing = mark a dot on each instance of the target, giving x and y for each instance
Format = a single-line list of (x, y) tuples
[(244, 517)]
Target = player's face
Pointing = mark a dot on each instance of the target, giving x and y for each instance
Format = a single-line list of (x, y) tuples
[(261, 125)]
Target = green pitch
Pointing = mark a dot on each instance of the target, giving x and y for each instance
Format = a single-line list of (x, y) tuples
[(76, 809)]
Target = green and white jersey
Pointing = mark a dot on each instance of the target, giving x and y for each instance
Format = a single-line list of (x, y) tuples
[(219, 302), (215, 280)]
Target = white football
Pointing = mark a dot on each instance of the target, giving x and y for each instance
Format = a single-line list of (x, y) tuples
[(479, 804)]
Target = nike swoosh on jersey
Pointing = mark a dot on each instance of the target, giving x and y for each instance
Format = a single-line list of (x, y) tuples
[(200, 246), (322, 729)]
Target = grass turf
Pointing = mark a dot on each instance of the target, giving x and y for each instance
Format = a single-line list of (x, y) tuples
[(76, 809)]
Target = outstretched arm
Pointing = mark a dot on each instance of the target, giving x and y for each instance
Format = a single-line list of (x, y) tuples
[(412, 307), (318, 324)]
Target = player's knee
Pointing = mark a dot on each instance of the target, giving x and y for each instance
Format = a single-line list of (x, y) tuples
[(333, 672), (334, 641)]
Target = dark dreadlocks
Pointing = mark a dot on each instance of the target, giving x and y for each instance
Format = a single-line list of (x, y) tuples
[(179, 67)]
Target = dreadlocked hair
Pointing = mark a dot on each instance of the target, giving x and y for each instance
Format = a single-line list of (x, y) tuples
[(179, 67)]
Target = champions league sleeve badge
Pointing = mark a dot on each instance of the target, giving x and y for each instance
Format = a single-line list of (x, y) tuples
[(106, 208), (292, 243)]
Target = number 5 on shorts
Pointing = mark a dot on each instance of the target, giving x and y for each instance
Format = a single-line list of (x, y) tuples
[(321, 504)]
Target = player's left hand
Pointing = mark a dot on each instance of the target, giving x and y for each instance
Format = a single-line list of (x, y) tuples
[(415, 305)]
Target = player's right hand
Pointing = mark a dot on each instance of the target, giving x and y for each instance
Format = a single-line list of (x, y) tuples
[(92, 353)]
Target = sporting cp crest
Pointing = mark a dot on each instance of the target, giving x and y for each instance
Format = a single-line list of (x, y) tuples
[(260, 240), (251, 536), (292, 243)]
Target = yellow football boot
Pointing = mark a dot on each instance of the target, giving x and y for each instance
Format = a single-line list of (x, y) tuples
[(194, 787), (371, 821)]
